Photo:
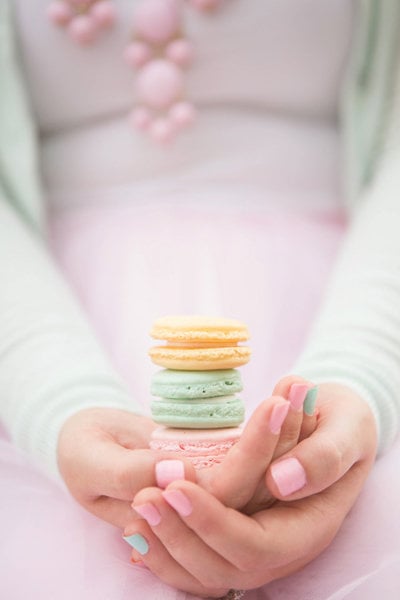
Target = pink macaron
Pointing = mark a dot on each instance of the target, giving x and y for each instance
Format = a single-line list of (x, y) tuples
[(203, 447)]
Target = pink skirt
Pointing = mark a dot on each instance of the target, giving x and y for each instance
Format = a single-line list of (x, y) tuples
[(130, 264)]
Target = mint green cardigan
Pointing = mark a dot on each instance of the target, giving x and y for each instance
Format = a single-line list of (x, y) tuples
[(365, 106), (364, 292)]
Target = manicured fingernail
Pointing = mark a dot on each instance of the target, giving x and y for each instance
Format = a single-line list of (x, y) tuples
[(289, 476), (149, 513), (310, 401), (278, 415), (297, 394), (168, 471), (138, 542), (179, 502)]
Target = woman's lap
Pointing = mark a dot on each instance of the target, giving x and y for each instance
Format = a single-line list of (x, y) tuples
[(129, 266)]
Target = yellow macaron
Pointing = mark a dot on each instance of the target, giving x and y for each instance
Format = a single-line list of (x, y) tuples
[(197, 343)]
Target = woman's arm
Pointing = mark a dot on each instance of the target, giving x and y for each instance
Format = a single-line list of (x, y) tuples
[(51, 365), (356, 340)]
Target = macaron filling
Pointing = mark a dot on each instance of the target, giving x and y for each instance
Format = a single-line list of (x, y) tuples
[(186, 385), (199, 413)]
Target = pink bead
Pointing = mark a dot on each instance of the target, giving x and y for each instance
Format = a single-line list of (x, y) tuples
[(159, 83), (182, 113), (140, 118), (180, 52), (157, 20), (161, 130), (137, 54), (103, 13), (206, 4), (81, 4), (60, 13), (83, 29)]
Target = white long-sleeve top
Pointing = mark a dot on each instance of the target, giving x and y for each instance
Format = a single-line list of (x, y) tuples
[(51, 364)]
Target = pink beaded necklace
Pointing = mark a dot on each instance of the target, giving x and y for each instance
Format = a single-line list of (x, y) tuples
[(159, 51)]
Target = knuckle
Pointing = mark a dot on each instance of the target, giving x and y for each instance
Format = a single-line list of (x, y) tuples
[(283, 385), (290, 431), (122, 478), (213, 581), (252, 559), (330, 457), (249, 563), (172, 541)]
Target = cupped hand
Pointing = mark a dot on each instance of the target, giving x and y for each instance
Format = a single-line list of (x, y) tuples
[(275, 427), (200, 545), (197, 544), (104, 459)]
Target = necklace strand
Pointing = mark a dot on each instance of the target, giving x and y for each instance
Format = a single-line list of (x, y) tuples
[(159, 52)]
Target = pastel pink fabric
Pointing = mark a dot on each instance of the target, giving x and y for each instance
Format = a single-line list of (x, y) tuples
[(129, 264)]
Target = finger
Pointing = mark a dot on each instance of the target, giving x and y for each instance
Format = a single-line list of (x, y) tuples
[(166, 546), (147, 549), (231, 535), (117, 473), (233, 482), (295, 389), (275, 538), (122, 472), (299, 531), (116, 512), (301, 398), (323, 458), (310, 414)]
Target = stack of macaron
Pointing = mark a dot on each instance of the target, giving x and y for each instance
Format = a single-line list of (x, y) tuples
[(196, 404)]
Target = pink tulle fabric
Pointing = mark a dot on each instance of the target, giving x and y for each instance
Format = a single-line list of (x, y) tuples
[(128, 265)]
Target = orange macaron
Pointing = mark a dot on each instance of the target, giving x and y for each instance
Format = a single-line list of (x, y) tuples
[(197, 343)]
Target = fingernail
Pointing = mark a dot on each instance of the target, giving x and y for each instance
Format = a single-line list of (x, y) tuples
[(310, 400), (138, 543), (168, 471), (297, 394), (149, 513), (179, 502), (278, 415), (289, 476)]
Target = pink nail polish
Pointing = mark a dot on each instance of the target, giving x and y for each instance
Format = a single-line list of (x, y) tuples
[(149, 513), (297, 394), (168, 471), (179, 502), (289, 476), (277, 417)]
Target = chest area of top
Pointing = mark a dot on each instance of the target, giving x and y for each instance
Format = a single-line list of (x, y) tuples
[(271, 53)]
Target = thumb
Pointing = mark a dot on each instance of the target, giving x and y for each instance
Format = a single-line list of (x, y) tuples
[(121, 473), (104, 459), (345, 435)]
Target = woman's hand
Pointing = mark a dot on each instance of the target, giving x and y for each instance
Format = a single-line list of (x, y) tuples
[(196, 543), (275, 427), (104, 459), (200, 546)]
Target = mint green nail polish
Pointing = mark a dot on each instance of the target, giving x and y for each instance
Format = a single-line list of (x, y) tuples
[(137, 542), (310, 400)]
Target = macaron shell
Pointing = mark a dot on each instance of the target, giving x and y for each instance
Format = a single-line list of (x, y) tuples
[(169, 383), (198, 328), (202, 447), (200, 359), (203, 413)]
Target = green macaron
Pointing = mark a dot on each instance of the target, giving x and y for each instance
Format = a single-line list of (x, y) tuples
[(199, 413), (185, 385)]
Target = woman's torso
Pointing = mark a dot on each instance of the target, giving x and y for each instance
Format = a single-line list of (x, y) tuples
[(266, 81)]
